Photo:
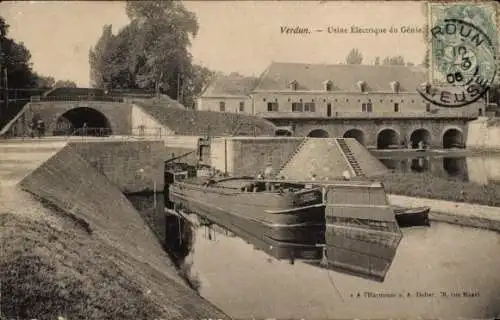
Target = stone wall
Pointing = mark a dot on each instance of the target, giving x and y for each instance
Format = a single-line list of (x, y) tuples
[(133, 166), (248, 156), (484, 133)]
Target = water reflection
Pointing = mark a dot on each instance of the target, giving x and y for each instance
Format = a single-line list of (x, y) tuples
[(479, 169), (484, 170), (248, 283)]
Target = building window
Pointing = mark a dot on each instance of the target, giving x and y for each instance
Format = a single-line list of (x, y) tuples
[(242, 106), (369, 107), (272, 106), (296, 107), (396, 107), (264, 99), (363, 107), (294, 85), (222, 106), (428, 107), (381, 100), (309, 107), (329, 110), (346, 100)]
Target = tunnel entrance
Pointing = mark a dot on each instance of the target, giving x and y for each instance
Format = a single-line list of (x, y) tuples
[(356, 134), (453, 138), (318, 133), (420, 135), (83, 121), (388, 139)]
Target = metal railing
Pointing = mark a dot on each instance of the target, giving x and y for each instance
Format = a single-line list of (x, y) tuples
[(77, 98)]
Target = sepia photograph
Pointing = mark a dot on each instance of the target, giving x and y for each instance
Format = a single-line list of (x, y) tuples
[(249, 160)]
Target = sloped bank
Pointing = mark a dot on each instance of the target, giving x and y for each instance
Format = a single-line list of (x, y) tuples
[(73, 246)]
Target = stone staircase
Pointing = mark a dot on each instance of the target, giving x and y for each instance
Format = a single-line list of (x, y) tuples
[(287, 163), (315, 156), (329, 158), (350, 158), (18, 158)]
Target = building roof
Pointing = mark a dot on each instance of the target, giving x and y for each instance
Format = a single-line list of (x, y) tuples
[(344, 77), (230, 85), (201, 123)]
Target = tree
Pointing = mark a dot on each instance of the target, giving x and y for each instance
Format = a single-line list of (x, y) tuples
[(45, 82), (99, 58), (15, 58), (151, 52), (195, 83), (354, 57), (65, 84), (394, 61)]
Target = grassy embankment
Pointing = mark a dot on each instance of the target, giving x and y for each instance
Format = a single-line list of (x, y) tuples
[(425, 185)]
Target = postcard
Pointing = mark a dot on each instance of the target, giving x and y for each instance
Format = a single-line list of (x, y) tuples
[(249, 160)]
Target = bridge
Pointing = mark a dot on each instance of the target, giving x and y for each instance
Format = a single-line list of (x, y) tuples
[(107, 116)]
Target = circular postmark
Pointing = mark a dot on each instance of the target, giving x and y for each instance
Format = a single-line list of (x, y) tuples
[(463, 64)]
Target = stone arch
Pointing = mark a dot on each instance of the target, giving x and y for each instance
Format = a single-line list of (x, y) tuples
[(357, 134), (418, 135), (453, 138), (72, 123), (318, 133), (387, 137)]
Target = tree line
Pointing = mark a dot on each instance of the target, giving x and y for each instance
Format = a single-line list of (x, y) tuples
[(151, 52), (16, 66), (356, 57)]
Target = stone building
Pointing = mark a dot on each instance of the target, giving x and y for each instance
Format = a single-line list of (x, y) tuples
[(323, 100)]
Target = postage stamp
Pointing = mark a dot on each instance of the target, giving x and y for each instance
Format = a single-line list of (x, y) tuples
[(463, 49)]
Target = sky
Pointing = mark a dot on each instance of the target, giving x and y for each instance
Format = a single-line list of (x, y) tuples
[(234, 36)]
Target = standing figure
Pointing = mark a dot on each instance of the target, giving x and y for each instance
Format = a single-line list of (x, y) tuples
[(421, 144), (39, 128), (84, 129)]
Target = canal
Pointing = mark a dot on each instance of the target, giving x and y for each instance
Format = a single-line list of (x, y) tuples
[(442, 271)]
